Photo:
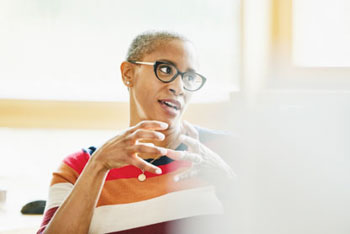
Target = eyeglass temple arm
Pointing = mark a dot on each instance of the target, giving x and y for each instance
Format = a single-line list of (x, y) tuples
[(144, 63)]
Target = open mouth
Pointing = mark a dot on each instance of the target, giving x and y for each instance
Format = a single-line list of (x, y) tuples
[(170, 103)]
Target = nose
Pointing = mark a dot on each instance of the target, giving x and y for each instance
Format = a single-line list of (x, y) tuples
[(177, 86)]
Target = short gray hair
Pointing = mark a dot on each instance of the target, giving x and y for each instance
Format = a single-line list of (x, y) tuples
[(147, 42)]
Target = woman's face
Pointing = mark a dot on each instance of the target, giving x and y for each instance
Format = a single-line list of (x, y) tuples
[(151, 99)]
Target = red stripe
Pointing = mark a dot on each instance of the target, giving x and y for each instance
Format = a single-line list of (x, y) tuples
[(77, 161), (133, 172), (159, 228), (47, 217), (198, 224)]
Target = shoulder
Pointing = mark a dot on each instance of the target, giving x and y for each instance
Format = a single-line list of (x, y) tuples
[(78, 160), (207, 135), (223, 142)]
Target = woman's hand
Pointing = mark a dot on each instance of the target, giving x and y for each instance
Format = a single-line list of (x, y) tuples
[(204, 159), (123, 149)]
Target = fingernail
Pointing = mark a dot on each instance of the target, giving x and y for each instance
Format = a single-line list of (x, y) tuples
[(158, 171), (176, 178), (160, 135), (163, 151), (164, 125)]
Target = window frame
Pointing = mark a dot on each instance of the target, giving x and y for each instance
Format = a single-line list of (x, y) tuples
[(283, 73)]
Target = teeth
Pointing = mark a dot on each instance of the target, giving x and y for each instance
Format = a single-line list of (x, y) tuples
[(170, 104)]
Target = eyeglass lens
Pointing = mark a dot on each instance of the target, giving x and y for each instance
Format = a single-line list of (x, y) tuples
[(167, 72)]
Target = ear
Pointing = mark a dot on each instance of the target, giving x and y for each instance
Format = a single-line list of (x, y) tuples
[(127, 72)]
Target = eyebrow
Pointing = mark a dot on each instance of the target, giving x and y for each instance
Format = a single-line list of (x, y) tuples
[(172, 63)]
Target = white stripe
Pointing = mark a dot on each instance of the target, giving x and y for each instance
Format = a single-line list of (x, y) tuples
[(57, 194), (171, 206)]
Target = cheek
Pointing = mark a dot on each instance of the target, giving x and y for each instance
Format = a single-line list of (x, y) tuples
[(146, 80), (145, 90), (187, 99)]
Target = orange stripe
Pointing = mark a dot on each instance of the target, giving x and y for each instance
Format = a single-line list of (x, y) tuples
[(123, 191), (64, 174)]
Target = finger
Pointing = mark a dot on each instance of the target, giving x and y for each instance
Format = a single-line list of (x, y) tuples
[(228, 171), (143, 165), (192, 143), (191, 131), (232, 174), (174, 154), (149, 125), (186, 174), (141, 134), (148, 149), (148, 143), (184, 155)]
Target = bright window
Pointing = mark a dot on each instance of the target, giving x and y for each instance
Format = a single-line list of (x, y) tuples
[(71, 50), (321, 33)]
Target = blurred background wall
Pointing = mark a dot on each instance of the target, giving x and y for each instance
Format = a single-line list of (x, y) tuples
[(294, 127), (279, 75)]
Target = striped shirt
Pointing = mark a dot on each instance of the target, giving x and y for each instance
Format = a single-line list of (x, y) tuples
[(126, 205)]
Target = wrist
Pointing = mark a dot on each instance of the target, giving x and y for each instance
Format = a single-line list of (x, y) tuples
[(97, 166)]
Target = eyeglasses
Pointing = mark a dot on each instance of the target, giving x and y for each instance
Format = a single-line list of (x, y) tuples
[(168, 72)]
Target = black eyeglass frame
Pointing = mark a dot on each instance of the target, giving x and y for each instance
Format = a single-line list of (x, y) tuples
[(157, 63)]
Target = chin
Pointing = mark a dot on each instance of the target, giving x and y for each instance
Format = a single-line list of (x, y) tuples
[(173, 122)]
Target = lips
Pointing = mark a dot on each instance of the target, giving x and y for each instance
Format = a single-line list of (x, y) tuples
[(172, 103)]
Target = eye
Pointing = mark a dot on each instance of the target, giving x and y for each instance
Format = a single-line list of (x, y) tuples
[(166, 69), (189, 77)]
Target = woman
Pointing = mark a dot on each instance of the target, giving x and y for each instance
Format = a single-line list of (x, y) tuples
[(144, 179)]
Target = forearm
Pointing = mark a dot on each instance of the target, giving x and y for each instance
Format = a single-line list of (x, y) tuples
[(75, 214)]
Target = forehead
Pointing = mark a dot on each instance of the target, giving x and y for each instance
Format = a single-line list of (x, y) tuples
[(181, 53)]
